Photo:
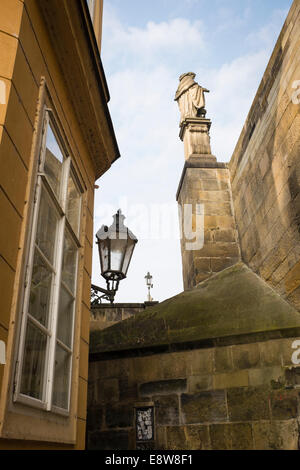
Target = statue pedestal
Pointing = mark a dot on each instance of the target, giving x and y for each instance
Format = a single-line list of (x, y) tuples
[(194, 132)]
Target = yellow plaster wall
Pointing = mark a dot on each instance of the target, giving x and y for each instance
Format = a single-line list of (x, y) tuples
[(26, 55)]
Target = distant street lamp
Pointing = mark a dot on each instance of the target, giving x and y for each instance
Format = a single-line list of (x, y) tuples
[(149, 284), (115, 244)]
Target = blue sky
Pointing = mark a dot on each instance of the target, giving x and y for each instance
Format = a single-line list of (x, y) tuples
[(145, 47)]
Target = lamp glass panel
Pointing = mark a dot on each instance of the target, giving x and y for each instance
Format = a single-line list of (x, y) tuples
[(128, 254), (104, 254), (118, 248)]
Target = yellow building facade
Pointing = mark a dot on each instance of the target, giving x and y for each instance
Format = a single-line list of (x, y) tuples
[(56, 139)]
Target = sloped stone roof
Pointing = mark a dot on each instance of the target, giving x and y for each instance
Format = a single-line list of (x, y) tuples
[(234, 306)]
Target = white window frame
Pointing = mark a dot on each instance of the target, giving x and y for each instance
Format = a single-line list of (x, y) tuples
[(63, 224)]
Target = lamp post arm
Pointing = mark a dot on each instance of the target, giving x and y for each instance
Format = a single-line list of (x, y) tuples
[(106, 294)]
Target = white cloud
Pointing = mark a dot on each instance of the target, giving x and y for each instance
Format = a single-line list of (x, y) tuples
[(168, 39)]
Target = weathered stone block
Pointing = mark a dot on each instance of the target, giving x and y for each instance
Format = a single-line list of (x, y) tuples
[(176, 438), (214, 196), (231, 380), (202, 361), (162, 386), (107, 391), (218, 264), (272, 376), (270, 353), (245, 356), (174, 365), (113, 315), (292, 376), (199, 277), (167, 410), (284, 404), (211, 185), (248, 404), (217, 208), (127, 390), (204, 407), (197, 437), (223, 359), (228, 235), (222, 221), (202, 264), (146, 368), (95, 419), (161, 438), (187, 437), (113, 368), (220, 249), (220, 436), (196, 383), (276, 435), (241, 436), (108, 440), (264, 164), (224, 183), (119, 416), (204, 173)]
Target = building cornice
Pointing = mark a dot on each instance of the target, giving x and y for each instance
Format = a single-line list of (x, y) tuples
[(74, 42)]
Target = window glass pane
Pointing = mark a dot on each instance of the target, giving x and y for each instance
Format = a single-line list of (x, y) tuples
[(60, 396), (34, 362), (40, 290), (69, 262), (53, 161), (74, 202), (65, 317), (46, 227)]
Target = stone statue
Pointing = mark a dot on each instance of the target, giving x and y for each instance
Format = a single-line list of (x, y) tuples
[(190, 97)]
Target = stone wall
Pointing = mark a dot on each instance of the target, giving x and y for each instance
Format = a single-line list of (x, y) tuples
[(208, 185), (105, 315), (265, 170), (232, 397)]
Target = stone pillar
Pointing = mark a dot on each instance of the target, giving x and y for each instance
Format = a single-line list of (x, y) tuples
[(195, 135), (205, 191)]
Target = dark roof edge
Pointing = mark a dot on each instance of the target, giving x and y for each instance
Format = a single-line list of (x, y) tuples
[(99, 70), (124, 305), (201, 344)]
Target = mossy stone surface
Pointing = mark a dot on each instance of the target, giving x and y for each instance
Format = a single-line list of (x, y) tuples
[(234, 302)]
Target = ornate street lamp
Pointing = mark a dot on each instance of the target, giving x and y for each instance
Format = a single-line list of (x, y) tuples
[(116, 244), (149, 284)]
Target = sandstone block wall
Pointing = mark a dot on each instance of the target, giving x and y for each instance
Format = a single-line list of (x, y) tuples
[(265, 170), (232, 397), (105, 315), (210, 187)]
